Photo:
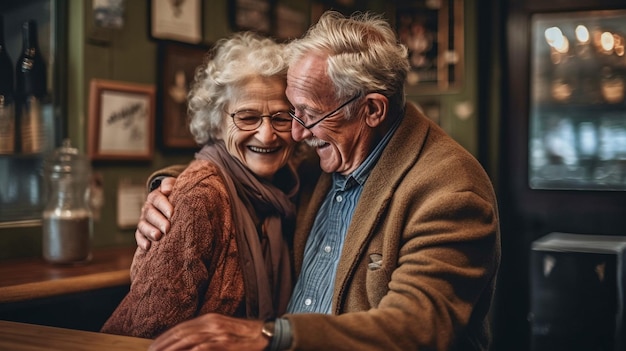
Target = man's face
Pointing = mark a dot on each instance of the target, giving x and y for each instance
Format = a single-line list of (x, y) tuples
[(341, 144)]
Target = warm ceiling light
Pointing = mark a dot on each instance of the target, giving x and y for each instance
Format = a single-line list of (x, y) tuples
[(607, 41), (582, 34)]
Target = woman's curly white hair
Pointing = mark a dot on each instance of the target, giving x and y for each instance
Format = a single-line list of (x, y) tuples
[(227, 67)]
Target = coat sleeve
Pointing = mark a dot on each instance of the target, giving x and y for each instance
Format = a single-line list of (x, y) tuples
[(170, 171), (170, 280)]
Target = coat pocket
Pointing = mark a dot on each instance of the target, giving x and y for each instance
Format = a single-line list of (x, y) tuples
[(377, 279)]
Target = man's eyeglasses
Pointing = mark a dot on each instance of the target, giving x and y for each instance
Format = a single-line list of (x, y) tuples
[(248, 120), (292, 113)]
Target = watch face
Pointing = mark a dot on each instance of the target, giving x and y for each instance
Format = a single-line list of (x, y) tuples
[(268, 329)]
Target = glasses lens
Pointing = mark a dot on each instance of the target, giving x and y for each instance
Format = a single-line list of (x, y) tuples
[(281, 121), (247, 120)]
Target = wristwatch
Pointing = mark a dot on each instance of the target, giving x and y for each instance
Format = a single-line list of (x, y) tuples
[(268, 330)]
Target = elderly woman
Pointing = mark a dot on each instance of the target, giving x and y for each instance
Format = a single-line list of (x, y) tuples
[(225, 251)]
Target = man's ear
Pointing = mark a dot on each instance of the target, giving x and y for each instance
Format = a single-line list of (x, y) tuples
[(377, 109)]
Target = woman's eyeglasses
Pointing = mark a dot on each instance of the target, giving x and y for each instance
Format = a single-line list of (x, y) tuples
[(248, 120)]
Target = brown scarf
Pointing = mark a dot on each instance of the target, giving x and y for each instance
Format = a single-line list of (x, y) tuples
[(260, 209)]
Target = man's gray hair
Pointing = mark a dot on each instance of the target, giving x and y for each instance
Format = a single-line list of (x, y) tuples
[(364, 55)]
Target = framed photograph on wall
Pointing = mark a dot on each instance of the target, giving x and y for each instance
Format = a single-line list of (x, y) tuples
[(433, 33), (178, 64), (290, 22), (121, 120), (253, 15), (176, 20)]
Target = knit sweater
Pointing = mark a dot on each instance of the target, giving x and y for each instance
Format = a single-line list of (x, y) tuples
[(193, 270)]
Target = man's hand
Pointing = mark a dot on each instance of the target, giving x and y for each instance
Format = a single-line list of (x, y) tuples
[(155, 215), (213, 332)]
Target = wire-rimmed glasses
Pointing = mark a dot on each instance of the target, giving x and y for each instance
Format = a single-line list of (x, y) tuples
[(249, 120), (292, 113)]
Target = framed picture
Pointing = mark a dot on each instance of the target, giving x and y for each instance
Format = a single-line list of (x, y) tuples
[(178, 64), (121, 120), (176, 20), (433, 33), (290, 22), (253, 15), (346, 7)]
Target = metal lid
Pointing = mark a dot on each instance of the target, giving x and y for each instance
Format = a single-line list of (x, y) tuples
[(66, 159)]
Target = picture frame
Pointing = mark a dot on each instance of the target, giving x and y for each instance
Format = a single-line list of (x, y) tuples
[(180, 21), (178, 64), (121, 120), (290, 22), (433, 33), (252, 15)]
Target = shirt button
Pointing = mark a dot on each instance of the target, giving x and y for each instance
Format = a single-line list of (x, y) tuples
[(327, 249), (339, 198), (308, 302)]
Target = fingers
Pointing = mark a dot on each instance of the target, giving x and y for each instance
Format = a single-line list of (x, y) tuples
[(181, 337), (155, 215), (148, 230), (166, 185), (212, 332), (142, 241), (159, 201), (154, 219)]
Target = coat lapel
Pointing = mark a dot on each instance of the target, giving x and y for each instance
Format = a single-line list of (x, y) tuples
[(397, 158)]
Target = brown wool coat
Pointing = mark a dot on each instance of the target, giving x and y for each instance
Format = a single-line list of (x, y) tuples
[(429, 210), (193, 270)]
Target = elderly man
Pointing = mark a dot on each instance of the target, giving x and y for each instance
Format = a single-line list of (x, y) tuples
[(398, 246)]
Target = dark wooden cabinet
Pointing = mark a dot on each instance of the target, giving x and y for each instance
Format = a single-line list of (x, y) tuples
[(83, 311), (68, 296)]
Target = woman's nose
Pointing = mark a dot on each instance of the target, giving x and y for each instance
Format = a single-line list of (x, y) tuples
[(266, 131)]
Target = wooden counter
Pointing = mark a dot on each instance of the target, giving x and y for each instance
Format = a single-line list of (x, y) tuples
[(29, 337), (34, 278)]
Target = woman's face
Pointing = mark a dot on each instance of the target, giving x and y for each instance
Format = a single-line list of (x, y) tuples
[(263, 150)]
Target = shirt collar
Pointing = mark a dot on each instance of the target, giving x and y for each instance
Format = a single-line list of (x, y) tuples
[(359, 176)]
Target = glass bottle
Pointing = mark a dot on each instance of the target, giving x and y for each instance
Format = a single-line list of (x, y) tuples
[(30, 90), (7, 102), (67, 217)]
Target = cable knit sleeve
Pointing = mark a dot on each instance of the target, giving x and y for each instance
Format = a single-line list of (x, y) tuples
[(194, 269)]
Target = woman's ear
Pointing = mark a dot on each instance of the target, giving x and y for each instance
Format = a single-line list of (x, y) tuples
[(377, 109)]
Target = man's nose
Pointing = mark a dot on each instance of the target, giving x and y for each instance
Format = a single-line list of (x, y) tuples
[(298, 132)]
